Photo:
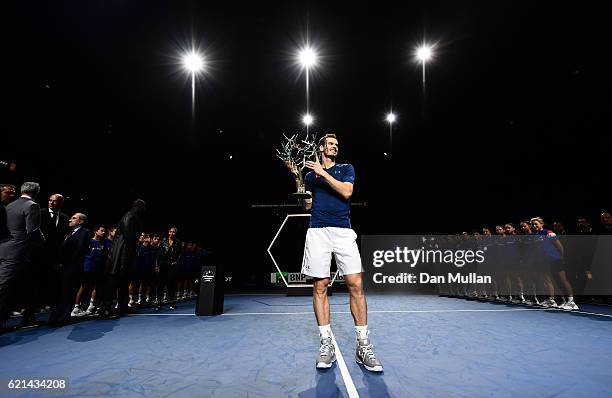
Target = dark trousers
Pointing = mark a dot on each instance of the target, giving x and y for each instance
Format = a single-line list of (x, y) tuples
[(70, 281), (10, 275), (167, 279), (112, 286), (37, 288)]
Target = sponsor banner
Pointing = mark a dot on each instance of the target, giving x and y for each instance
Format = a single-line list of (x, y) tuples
[(297, 278)]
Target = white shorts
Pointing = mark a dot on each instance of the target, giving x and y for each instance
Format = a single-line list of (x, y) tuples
[(321, 243)]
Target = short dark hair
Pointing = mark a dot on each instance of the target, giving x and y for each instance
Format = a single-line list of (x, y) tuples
[(326, 136)]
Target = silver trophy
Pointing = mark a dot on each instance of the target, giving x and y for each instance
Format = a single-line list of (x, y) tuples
[(295, 151)]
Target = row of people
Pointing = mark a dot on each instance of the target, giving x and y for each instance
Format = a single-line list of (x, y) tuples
[(162, 270), (549, 266), (70, 263)]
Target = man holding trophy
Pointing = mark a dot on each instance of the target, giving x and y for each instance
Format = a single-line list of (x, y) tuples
[(326, 191)]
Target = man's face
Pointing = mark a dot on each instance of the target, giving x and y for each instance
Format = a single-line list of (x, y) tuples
[(147, 240), (509, 229), (525, 228), (155, 241), (606, 218), (558, 228), (330, 149), (100, 232), (583, 224), (141, 238), (7, 195), (536, 225), (55, 202), (499, 230), (486, 232), (74, 221), (172, 233)]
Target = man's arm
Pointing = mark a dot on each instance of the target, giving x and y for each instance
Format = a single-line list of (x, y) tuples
[(345, 189), (33, 231), (306, 203)]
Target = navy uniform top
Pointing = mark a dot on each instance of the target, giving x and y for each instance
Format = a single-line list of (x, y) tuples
[(329, 208)]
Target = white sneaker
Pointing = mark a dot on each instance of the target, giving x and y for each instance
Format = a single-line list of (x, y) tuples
[(570, 305), (77, 311), (549, 303), (327, 354), (131, 303), (364, 355)]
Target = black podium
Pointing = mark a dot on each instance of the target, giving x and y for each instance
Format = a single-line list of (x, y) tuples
[(210, 292)]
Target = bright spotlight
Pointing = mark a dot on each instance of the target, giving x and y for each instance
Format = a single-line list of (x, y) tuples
[(307, 119), (193, 62), (391, 117), (424, 53), (307, 57)]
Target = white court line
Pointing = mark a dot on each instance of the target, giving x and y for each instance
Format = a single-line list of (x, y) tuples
[(348, 312), (590, 313), (387, 312), (173, 314), (256, 294), (346, 376)]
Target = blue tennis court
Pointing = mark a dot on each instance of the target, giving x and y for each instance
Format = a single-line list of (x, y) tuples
[(266, 345)]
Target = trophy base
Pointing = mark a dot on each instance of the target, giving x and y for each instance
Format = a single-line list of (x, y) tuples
[(302, 195)]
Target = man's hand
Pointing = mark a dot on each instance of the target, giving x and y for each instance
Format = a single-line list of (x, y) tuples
[(315, 166), (293, 169)]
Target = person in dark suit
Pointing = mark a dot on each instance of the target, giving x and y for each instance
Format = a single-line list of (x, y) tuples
[(23, 224), (72, 256), (120, 259), (54, 225), (44, 287)]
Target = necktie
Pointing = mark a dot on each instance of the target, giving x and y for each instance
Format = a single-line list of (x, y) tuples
[(55, 218)]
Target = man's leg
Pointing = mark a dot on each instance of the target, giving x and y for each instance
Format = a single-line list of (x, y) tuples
[(359, 306), (320, 302), (364, 353)]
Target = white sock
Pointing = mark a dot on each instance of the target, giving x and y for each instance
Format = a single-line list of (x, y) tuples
[(362, 332), (570, 299), (324, 331)]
